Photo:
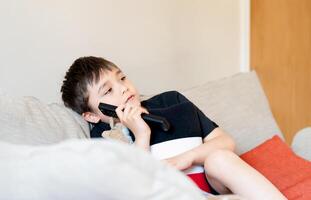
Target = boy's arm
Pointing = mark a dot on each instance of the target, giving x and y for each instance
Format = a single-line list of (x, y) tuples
[(143, 141), (217, 139)]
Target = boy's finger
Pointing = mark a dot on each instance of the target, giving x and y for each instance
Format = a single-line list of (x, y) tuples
[(139, 111), (120, 107), (144, 110), (127, 110), (133, 110), (119, 111)]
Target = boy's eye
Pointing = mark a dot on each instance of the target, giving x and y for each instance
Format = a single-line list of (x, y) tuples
[(108, 91), (123, 78)]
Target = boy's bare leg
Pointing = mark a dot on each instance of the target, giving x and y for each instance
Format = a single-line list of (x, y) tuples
[(217, 185), (239, 177)]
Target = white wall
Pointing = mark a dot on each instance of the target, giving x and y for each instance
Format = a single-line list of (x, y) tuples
[(160, 44)]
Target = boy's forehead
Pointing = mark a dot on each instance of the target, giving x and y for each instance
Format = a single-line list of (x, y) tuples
[(105, 75)]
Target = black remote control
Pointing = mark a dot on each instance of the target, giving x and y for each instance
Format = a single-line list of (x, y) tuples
[(109, 110)]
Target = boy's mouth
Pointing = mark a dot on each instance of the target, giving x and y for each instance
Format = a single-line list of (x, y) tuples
[(130, 98)]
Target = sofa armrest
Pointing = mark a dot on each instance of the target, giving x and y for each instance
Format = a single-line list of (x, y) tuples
[(302, 143)]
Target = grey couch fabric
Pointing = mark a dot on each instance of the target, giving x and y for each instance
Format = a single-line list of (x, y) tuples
[(27, 120), (239, 106), (302, 143)]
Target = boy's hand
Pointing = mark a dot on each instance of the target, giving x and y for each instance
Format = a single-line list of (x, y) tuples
[(181, 162), (130, 116)]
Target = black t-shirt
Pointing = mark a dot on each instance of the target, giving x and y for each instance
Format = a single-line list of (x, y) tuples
[(185, 118), (189, 126)]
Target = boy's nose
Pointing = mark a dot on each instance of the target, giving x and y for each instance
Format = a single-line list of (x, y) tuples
[(124, 88)]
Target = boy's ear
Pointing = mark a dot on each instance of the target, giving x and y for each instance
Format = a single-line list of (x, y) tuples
[(91, 117)]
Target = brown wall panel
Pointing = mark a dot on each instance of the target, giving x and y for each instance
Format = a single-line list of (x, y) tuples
[(281, 55)]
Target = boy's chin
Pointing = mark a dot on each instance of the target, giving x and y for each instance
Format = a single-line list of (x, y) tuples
[(134, 102)]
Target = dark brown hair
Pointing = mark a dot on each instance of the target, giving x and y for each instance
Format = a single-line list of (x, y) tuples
[(83, 72)]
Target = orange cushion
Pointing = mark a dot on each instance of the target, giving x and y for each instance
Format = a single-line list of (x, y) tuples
[(290, 173)]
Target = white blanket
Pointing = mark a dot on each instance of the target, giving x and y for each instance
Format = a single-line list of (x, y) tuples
[(88, 169)]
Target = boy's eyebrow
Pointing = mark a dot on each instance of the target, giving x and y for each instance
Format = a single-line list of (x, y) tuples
[(101, 87), (118, 72), (104, 84)]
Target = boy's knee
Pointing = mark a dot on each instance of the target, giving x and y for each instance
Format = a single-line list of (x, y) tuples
[(219, 159)]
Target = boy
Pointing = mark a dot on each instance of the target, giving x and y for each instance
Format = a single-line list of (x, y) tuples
[(91, 80)]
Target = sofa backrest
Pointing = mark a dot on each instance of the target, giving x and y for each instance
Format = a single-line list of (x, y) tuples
[(27, 120), (238, 105)]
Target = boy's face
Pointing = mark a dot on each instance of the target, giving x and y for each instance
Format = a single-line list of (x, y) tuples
[(112, 88)]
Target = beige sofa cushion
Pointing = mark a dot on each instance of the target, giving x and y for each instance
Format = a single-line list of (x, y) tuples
[(302, 143), (26, 120), (239, 106)]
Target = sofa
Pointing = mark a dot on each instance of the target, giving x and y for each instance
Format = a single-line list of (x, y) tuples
[(46, 151)]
